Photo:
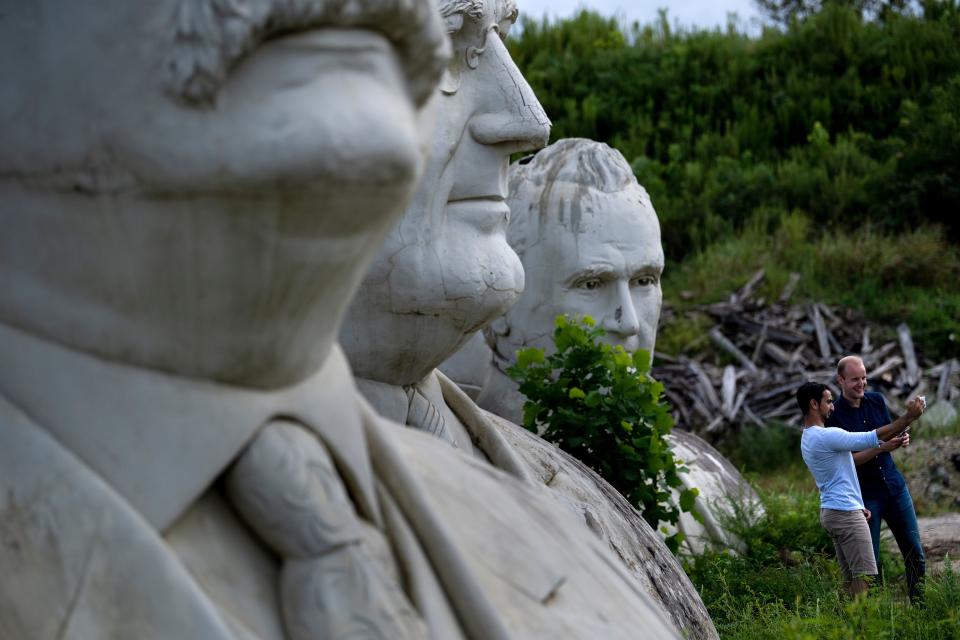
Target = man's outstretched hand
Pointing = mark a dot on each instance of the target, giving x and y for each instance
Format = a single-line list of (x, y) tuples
[(915, 407), (896, 442)]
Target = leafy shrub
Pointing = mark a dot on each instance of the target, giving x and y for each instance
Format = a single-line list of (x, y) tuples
[(599, 403)]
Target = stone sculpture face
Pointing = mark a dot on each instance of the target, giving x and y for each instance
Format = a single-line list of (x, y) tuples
[(195, 186), (590, 244), (446, 269)]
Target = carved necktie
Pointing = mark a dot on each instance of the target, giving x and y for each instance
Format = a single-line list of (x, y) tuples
[(336, 579)]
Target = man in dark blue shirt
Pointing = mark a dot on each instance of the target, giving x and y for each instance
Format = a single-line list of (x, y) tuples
[(882, 486)]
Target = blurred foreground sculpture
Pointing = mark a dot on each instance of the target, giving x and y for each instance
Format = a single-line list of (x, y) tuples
[(190, 192), (447, 270)]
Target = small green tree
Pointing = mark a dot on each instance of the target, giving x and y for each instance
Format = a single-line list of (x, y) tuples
[(598, 403)]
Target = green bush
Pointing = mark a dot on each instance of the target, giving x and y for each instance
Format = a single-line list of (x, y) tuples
[(599, 403)]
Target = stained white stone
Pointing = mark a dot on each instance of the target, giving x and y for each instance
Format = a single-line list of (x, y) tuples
[(190, 191), (589, 240), (724, 495), (447, 270)]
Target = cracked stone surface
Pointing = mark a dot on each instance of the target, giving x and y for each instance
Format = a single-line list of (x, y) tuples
[(447, 270), (191, 192)]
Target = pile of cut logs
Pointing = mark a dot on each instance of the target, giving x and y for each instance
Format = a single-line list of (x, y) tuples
[(776, 346)]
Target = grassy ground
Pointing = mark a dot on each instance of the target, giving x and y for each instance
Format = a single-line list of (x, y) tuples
[(786, 585)]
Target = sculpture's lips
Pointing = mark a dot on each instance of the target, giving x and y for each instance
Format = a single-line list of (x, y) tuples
[(207, 41), (491, 198), (487, 213)]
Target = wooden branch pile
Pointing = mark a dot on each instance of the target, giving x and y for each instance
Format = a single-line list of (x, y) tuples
[(774, 347)]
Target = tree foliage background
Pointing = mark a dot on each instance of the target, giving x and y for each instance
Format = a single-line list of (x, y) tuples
[(845, 117)]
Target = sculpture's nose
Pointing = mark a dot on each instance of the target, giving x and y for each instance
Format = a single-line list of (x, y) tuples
[(622, 319), (512, 115)]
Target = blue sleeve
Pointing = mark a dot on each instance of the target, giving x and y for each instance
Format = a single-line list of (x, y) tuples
[(841, 440)]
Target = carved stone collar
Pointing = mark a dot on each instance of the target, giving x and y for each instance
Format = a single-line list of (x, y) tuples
[(160, 440)]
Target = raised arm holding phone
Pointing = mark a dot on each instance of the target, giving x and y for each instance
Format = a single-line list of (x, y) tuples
[(827, 453), (882, 486)]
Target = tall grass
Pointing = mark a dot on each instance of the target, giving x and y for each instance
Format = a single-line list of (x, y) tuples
[(819, 613), (786, 584)]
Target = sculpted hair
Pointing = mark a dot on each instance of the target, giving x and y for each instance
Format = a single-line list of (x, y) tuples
[(472, 8), (209, 37), (577, 161), (809, 391)]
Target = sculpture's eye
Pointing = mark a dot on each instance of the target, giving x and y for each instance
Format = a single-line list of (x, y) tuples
[(643, 281), (591, 284), (503, 27), (453, 23), (510, 15)]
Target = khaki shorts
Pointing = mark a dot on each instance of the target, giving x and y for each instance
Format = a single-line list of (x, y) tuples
[(851, 537)]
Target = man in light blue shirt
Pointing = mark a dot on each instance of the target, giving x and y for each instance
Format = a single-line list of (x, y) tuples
[(827, 453)]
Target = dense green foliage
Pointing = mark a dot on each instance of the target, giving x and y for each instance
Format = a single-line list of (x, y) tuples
[(785, 12), (786, 584), (599, 403), (841, 130)]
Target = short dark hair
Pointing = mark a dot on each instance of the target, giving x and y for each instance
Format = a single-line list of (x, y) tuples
[(809, 391)]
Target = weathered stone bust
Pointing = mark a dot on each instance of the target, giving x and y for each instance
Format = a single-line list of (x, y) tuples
[(125, 125), (447, 270), (589, 240), (190, 191)]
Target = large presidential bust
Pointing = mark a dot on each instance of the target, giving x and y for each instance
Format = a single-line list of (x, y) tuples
[(589, 240), (446, 270), (190, 191)]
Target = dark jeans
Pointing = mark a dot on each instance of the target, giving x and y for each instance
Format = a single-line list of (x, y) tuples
[(897, 511)]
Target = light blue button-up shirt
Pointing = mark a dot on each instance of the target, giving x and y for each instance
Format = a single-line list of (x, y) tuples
[(826, 450)]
